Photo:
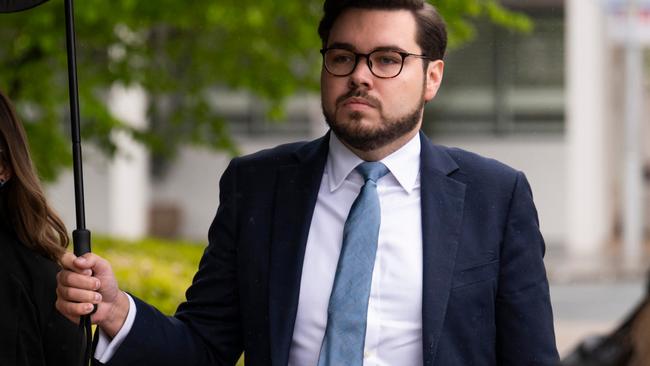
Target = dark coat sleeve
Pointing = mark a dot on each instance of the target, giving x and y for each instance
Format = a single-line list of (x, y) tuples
[(524, 318), (19, 328), (206, 329), (499, 310), (32, 332)]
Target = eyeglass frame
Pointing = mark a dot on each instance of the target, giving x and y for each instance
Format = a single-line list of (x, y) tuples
[(358, 55)]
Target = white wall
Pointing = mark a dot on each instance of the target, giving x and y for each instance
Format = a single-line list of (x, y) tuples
[(116, 190), (96, 182), (128, 176), (191, 184)]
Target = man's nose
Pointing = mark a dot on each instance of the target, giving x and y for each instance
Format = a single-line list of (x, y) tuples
[(361, 75)]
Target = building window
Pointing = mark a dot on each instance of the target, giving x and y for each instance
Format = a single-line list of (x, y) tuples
[(247, 115), (504, 82)]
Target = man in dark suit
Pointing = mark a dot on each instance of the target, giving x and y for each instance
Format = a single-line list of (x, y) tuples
[(367, 246)]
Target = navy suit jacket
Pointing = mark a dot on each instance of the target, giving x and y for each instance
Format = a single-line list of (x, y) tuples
[(485, 292)]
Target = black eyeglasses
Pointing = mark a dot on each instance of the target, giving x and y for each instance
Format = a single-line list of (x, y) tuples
[(383, 64)]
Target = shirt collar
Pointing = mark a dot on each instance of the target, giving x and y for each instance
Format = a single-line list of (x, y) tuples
[(404, 164)]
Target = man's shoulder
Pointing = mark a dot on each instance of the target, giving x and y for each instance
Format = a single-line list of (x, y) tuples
[(485, 179), (473, 165)]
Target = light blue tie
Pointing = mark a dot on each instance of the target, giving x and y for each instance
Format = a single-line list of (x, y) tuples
[(348, 307)]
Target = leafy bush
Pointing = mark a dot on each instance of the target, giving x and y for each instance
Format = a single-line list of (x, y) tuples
[(157, 271)]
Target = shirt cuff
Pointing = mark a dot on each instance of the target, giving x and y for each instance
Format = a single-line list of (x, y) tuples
[(107, 347)]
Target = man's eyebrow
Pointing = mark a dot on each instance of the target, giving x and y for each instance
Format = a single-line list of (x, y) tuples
[(390, 48), (351, 47), (342, 45)]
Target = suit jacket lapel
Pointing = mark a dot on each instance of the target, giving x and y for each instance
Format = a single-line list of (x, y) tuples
[(297, 191), (442, 200)]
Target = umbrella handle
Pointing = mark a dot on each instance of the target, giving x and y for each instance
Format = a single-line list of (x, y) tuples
[(81, 245), (81, 241)]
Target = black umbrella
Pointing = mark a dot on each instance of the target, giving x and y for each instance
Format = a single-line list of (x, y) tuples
[(80, 236)]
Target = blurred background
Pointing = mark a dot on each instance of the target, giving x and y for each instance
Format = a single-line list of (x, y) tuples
[(171, 90)]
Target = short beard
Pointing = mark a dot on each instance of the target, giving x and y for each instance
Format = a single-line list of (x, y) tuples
[(370, 139)]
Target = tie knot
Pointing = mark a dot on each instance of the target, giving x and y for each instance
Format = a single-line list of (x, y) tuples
[(372, 170)]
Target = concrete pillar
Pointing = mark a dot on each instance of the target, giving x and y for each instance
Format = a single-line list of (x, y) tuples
[(589, 206), (129, 187), (317, 124)]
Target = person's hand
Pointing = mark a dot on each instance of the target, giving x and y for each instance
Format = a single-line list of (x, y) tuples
[(88, 280)]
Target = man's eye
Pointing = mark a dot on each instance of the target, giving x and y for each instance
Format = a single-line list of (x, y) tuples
[(387, 60), (342, 59)]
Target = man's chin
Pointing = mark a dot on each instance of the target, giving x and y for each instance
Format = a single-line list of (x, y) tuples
[(363, 143), (357, 116), (361, 135), (364, 129)]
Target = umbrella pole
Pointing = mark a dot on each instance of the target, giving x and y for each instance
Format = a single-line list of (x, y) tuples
[(80, 236)]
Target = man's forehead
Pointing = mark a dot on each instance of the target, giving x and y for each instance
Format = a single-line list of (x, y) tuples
[(382, 47), (366, 29)]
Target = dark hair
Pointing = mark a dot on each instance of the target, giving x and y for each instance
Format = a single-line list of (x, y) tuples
[(431, 30), (23, 206)]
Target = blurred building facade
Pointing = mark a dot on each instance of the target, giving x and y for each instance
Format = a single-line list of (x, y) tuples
[(548, 103)]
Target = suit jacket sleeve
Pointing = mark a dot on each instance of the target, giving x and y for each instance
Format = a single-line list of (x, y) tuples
[(524, 316), (206, 329)]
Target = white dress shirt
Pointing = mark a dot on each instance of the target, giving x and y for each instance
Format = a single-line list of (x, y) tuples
[(394, 328)]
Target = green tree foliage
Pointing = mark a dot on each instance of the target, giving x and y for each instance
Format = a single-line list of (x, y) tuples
[(177, 51)]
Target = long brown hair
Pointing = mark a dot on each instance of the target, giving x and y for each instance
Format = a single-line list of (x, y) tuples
[(23, 206)]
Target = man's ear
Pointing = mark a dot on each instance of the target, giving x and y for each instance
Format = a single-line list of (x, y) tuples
[(434, 72)]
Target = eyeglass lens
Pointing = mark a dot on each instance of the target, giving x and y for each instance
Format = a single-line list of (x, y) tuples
[(382, 63)]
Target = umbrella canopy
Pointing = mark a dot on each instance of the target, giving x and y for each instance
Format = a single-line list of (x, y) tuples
[(10, 6)]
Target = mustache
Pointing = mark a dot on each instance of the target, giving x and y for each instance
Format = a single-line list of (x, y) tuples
[(359, 93)]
